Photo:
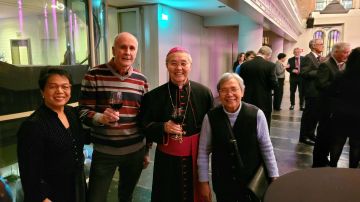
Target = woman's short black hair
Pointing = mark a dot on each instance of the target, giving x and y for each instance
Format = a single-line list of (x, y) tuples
[(281, 56), (47, 72)]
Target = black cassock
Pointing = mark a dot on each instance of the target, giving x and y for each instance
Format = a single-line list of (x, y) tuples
[(173, 175)]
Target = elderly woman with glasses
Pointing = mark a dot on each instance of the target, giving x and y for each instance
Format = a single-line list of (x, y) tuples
[(171, 116), (50, 145), (248, 125)]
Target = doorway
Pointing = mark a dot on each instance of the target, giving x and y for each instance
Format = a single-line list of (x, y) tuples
[(21, 51)]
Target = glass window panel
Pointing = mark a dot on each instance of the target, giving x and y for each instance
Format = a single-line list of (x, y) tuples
[(51, 26), (321, 4), (333, 37), (319, 35), (347, 4)]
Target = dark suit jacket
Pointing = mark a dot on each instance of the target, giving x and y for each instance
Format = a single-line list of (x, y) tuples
[(259, 78), (291, 61), (326, 75), (308, 73)]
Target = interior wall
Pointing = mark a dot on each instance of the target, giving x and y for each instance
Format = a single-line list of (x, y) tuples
[(46, 48), (211, 49), (350, 32), (220, 43), (150, 46), (10, 30), (113, 29)]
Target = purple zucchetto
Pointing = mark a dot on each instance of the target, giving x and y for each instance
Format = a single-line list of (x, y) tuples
[(177, 49)]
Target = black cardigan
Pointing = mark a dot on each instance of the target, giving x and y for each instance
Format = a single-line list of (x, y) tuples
[(50, 156)]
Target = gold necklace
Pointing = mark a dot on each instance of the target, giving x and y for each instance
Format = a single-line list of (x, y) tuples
[(180, 137)]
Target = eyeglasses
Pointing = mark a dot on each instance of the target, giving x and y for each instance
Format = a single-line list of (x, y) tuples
[(225, 91), (64, 87), (181, 64)]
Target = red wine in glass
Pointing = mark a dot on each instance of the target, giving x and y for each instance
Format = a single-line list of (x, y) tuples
[(116, 101), (177, 116), (116, 106)]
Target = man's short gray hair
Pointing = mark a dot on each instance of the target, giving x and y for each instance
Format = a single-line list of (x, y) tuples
[(227, 76), (123, 34), (340, 47), (265, 50), (312, 43)]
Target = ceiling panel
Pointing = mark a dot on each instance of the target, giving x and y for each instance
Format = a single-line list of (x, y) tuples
[(198, 7)]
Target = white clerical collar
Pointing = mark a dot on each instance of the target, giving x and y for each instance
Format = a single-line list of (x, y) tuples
[(233, 113)]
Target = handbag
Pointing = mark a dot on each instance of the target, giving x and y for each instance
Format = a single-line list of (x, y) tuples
[(260, 181)]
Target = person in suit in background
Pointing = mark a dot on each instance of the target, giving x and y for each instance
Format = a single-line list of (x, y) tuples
[(296, 63), (260, 79), (240, 59), (328, 71), (310, 116), (280, 74), (345, 111)]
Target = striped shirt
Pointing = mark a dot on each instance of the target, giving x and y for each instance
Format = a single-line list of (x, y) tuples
[(96, 86)]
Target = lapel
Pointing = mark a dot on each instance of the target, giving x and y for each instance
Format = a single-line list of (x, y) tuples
[(314, 59), (333, 66), (292, 62)]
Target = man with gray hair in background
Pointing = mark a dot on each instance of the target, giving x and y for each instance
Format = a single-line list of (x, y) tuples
[(260, 79), (328, 71), (310, 116)]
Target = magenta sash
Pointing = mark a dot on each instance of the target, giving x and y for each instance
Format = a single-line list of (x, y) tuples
[(189, 147)]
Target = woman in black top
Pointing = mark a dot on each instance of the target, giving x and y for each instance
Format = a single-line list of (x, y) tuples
[(50, 145)]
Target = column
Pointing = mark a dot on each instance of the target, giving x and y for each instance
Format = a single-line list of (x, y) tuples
[(277, 45), (250, 35)]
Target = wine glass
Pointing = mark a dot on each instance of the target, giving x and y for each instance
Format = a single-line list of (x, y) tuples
[(177, 117), (116, 101)]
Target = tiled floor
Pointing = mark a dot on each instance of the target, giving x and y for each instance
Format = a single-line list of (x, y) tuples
[(284, 133)]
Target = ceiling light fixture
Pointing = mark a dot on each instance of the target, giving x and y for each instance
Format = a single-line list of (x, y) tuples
[(59, 6)]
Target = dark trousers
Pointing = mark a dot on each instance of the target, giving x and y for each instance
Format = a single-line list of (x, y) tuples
[(268, 118), (278, 94), (322, 144), (309, 118), (296, 82), (102, 170), (343, 127)]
